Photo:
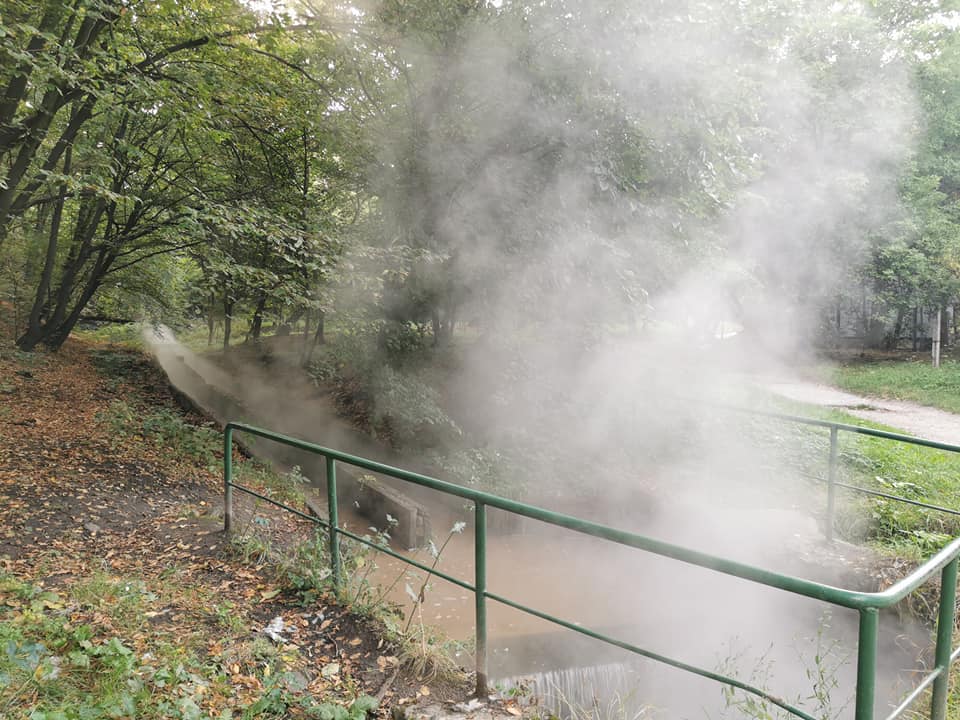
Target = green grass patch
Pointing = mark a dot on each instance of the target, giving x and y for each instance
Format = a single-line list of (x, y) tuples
[(53, 667), (94, 650), (125, 334), (903, 380), (166, 428), (913, 472)]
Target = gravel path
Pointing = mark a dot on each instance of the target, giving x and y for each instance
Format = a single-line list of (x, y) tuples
[(913, 419)]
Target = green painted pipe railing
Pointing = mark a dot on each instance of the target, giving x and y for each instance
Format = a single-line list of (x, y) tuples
[(833, 461), (944, 562)]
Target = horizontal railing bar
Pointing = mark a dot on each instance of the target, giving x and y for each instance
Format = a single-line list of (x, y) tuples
[(915, 693), (858, 429), (877, 493), (409, 561), (847, 598), (306, 516), (908, 501), (652, 655)]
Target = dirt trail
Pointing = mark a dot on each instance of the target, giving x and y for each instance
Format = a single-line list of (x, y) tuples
[(913, 419)]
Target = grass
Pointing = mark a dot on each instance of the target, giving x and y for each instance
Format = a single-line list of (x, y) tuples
[(109, 645), (128, 335), (90, 650), (166, 428), (912, 380), (913, 472)]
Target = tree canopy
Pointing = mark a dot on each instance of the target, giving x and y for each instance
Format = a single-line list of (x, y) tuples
[(561, 165)]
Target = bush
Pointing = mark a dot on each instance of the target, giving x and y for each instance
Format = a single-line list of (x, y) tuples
[(165, 427), (408, 410)]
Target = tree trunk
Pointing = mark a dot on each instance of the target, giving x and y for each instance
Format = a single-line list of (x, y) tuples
[(435, 324), (57, 328), (935, 331), (17, 87), (305, 352), (24, 139), (916, 325), (944, 328), (71, 276), (227, 323), (211, 324), (894, 339), (46, 275), (256, 324), (318, 339)]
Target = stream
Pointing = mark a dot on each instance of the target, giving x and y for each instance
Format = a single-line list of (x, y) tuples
[(763, 636)]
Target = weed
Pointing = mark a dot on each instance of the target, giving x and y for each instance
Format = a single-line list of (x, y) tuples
[(53, 670), (228, 618), (251, 548), (821, 669), (287, 488), (166, 428), (278, 702)]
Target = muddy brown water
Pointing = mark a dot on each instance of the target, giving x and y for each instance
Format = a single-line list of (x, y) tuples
[(761, 635)]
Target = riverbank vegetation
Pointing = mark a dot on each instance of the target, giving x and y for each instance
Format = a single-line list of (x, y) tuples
[(517, 241), (121, 597)]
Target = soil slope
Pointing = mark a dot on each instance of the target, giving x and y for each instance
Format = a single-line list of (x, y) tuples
[(88, 489)]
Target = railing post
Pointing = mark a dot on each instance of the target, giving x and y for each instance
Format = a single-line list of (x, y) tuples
[(831, 483), (480, 596), (867, 663), (334, 521), (227, 478), (945, 621)]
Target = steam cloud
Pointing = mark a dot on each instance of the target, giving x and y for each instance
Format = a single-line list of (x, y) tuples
[(770, 142), (786, 129)]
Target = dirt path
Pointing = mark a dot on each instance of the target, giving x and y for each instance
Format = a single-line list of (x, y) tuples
[(90, 489), (913, 419)]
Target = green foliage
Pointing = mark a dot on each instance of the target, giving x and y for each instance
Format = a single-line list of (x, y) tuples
[(487, 469), (408, 410), (72, 673), (904, 380), (52, 668), (165, 427), (821, 658), (277, 702)]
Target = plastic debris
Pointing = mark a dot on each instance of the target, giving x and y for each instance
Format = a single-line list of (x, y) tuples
[(274, 629)]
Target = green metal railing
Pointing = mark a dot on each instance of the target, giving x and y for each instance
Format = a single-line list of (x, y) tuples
[(868, 605), (833, 462)]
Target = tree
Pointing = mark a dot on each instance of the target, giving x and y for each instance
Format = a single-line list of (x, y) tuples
[(127, 153), (916, 262)]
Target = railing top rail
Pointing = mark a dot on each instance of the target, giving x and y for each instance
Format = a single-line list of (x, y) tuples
[(886, 435), (839, 596)]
